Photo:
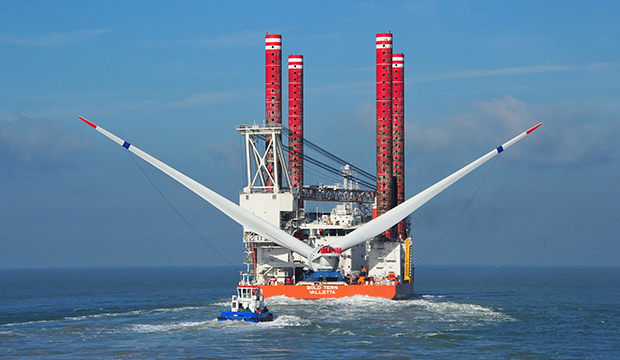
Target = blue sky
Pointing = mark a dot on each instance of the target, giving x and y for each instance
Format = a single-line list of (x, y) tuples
[(175, 79)]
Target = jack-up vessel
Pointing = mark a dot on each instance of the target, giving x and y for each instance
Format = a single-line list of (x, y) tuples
[(347, 251)]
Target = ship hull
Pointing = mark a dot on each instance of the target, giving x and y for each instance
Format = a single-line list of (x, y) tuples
[(326, 290), (245, 316)]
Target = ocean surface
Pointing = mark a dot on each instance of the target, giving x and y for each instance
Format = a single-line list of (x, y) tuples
[(457, 313)]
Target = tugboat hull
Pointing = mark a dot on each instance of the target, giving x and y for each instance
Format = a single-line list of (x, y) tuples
[(245, 316)]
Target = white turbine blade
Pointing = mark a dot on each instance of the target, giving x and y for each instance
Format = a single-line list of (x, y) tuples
[(393, 216), (234, 211)]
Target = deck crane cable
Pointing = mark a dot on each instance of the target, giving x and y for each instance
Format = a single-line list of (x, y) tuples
[(370, 184), (333, 170), (330, 170), (193, 229), (334, 157), (321, 174), (435, 243)]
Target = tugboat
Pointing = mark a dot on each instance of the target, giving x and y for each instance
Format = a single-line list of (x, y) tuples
[(248, 304)]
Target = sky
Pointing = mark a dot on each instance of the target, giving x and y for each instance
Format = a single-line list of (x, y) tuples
[(176, 78)]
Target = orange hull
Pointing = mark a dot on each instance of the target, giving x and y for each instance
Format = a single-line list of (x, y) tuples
[(338, 290)]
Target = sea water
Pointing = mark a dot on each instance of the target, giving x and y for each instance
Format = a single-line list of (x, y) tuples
[(457, 312)]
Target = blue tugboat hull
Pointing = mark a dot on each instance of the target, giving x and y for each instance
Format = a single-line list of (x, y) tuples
[(245, 316)]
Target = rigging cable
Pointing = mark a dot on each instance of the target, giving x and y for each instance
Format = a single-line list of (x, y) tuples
[(193, 229), (370, 183), (332, 169), (435, 243), (334, 157)]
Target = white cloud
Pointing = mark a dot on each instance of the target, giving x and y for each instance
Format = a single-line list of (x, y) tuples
[(226, 155), (40, 143), (573, 135), (190, 101), (55, 39), (522, 70), (242, 39), (228, 40)]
